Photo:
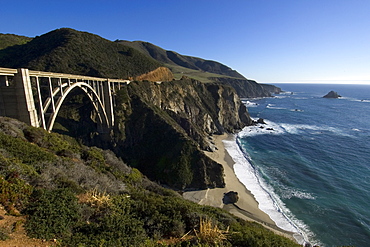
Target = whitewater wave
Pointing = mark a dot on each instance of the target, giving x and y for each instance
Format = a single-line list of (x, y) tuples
[(273, 128), (248, 103), (268, 201), (272, 106)]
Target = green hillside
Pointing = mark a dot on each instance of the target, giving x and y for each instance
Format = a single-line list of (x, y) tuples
[(181, 64), (12, 39), (70, 51), (84, 196)]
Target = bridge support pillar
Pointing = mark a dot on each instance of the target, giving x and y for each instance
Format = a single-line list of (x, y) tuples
[(26, 109), (108, 103)]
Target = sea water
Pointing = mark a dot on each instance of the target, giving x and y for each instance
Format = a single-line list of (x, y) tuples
[(309, 165)]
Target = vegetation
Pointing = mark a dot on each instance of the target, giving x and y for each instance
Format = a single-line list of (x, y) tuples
[(86, 196), (70, 51), (91, 198), (7, 40), (185, 65)]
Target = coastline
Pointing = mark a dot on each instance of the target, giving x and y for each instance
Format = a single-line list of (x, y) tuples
[(247, 207)]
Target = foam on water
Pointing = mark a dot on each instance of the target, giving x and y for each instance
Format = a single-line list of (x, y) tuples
[(268, 201), (273, 128)]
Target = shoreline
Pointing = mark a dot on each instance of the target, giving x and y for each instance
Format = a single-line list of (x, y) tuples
[(246, 207)]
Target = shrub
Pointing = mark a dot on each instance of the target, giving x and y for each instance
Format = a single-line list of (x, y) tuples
[(52, 213), (118, 227), (14, 192)]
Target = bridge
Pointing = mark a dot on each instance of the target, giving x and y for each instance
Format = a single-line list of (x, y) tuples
[(35, 97)]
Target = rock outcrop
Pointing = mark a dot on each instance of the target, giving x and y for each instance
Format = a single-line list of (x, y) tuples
[(230, 197), (332, 95)]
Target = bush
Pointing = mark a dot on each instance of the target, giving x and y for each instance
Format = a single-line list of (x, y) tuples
[(52, 214), (118, 227), (14, 192)]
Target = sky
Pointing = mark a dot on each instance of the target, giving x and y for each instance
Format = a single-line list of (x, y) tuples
[(269, 41)]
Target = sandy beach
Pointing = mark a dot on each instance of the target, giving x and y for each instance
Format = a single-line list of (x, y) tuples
[(246, 207)]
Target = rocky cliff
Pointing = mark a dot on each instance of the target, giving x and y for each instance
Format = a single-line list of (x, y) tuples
[(163, 128), (248, 88)]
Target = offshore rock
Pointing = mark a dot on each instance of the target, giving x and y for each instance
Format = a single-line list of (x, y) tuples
[(261, 121), (332, 95)]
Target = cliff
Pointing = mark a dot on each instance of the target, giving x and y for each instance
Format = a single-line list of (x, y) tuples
[(163, 128), (271, 88), (249, 88)]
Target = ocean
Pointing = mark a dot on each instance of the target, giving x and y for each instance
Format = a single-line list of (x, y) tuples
[(309, 165)]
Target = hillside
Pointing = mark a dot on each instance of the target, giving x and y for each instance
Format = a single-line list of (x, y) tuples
[(176, 60), (203, 70), (7, 40), (84, 196), (70, 51)]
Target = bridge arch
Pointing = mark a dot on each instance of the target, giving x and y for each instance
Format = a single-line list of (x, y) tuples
[(103, 122)]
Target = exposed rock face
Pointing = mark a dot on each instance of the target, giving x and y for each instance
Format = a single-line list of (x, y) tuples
[(162, 128), (332, 95), (248, 88), (271, 88)]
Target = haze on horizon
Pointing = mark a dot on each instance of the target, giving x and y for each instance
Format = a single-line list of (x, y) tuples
[(268, 41)]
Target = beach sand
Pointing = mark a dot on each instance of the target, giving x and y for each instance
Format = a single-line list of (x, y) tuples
[(246, 207)]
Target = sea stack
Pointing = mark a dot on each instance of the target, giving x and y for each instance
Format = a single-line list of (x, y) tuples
[(332, 95)]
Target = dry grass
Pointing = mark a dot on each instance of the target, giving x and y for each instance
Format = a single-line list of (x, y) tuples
[(94, 198), (210, 233), (159, 74)]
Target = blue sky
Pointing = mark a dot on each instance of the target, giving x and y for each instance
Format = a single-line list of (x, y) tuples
[(266, 40)]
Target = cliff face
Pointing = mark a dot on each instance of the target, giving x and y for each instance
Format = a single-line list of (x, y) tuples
[(271, 88), (245, 88), (162, 128)]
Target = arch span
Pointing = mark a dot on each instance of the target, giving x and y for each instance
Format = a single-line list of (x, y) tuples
[(103, 122)]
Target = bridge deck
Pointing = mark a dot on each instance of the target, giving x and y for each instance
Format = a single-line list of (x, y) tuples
[(12, 72)]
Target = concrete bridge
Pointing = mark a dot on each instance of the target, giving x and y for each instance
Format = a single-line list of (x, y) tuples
[(35, 97)]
